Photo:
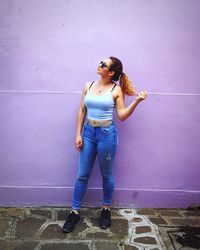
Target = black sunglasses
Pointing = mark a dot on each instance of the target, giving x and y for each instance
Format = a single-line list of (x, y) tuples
[(103, 64)]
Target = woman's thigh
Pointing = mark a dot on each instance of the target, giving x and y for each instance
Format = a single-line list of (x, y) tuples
[(106, 148), (87, 155)]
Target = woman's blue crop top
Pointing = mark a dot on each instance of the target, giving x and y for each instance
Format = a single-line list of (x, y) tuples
[(99, 107)]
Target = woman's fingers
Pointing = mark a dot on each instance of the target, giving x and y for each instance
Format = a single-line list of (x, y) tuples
[(142, 95), (143, 92), (78, 145)]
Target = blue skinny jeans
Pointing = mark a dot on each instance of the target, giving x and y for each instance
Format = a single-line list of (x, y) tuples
[(101, 141)]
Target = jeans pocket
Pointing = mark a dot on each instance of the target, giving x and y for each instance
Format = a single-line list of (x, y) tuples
[(108, 129)]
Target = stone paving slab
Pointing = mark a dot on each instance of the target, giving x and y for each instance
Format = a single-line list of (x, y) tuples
[(180, 237), (40, 228)]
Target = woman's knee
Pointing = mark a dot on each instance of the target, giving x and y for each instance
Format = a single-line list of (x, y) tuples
[(83, 178), (108, 178)]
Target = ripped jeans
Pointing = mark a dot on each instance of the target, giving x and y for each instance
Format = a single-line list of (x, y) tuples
[(101, 141)]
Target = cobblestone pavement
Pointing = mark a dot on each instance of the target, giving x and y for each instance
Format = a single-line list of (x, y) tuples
[(40, 228)]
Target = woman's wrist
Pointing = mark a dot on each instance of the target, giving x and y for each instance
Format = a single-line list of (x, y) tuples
[(78, 133), (137, 101)]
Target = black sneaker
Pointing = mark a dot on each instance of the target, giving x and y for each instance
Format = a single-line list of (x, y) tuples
[(105, 219), (71, 221)]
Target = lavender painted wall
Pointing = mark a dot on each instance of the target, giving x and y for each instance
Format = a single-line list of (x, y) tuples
[(50, 49)]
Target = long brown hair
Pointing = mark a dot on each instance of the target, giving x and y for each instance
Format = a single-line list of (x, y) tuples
[(125, 83)]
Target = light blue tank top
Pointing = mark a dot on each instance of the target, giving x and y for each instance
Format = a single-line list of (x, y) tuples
[(99, 107)]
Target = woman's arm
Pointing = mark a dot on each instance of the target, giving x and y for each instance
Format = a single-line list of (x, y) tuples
[(124, 112), (80, 119)]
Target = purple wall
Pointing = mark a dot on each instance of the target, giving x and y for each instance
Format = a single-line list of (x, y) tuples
[(50, 49)]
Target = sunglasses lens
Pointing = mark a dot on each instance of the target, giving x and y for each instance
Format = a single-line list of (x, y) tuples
[(102, 64)]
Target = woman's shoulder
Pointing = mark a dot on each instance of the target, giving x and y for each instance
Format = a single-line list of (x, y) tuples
[(87, 85), (117, 91), (117, 88)]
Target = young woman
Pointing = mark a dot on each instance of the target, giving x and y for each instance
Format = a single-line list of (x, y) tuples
[(100, 135)]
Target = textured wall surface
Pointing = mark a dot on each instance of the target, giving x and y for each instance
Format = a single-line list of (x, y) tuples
[(50, 49)]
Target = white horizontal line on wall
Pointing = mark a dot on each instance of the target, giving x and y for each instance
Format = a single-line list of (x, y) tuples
[(79, 92), (40, 92), (117, 189), (172, 93)]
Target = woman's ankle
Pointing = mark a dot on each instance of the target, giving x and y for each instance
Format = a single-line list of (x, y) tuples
[(107, 207), (75, 211)]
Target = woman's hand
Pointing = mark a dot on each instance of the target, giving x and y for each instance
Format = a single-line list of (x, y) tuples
[(79, 143), (141, 96)]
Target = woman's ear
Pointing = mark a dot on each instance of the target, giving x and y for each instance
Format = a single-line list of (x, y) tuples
[(111, 73)]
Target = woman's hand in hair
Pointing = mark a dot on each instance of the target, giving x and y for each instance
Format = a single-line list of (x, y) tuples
[(79, 143), (141, 96)]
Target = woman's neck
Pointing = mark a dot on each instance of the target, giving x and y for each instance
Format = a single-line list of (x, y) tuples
[(104, 81)]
